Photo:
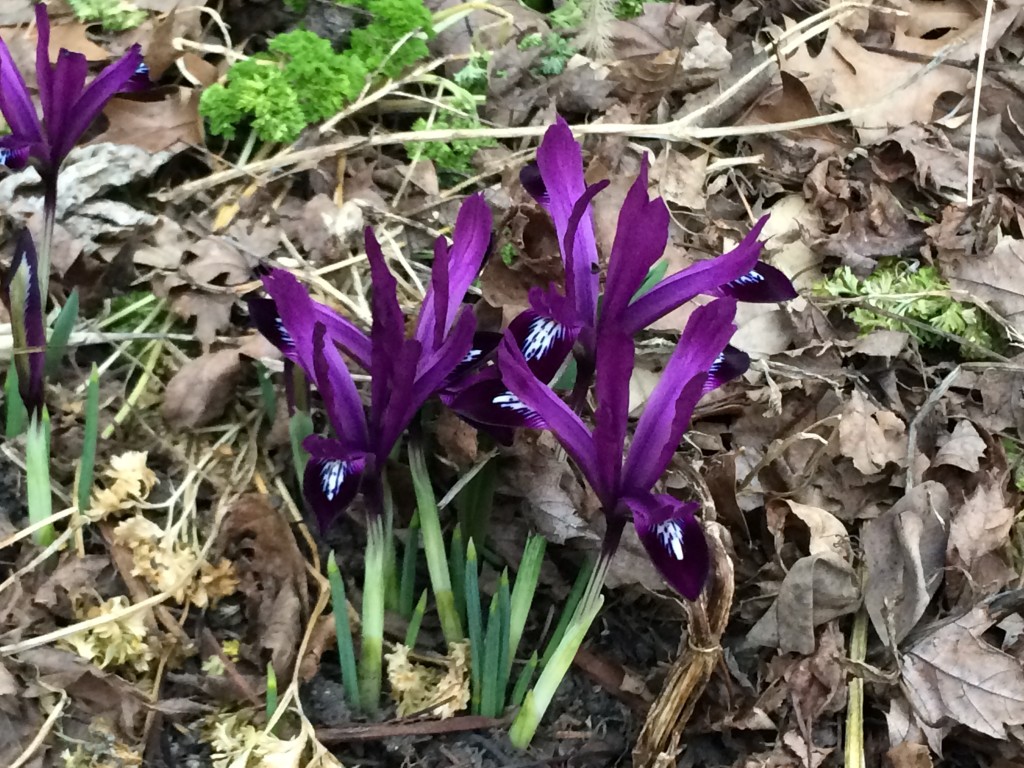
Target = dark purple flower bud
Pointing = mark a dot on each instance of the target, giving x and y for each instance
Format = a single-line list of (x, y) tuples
[(21, 295)]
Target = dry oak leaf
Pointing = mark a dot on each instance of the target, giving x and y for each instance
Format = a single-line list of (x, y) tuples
[(980, 532), (905, 554), (870, 436), (953, 674), (173, 123), (963, 448), (996, 277), (202, 389)]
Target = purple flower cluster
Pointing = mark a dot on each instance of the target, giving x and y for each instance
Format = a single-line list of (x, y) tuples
[(69, 107), (501, 382)]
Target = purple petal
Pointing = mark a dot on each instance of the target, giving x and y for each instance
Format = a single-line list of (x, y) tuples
[(287, 291), (390, 416), (560, 419), (430, 325), (387, 334), (544, 342), (15, 100), (266, 320), (533, 183), (14, 152), (674, 540), (116, 78), (62, 110), (488, 403), (667, 412), (560, 162), (437, 367), (703, 277), (470, 244), (764, 284), (140, 80), (615, 355), (640, 240), (480, 351), (331, 479), (25, 304), (338, 390), (730, 364), (581, 274)]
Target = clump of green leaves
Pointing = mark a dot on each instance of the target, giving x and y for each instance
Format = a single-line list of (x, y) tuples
[(916, 293), (453, 156), (300, 79), (457, 156), (112, 15), (557, 52), (630, 9)]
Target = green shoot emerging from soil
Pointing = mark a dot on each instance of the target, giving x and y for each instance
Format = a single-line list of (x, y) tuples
[(917, 294)]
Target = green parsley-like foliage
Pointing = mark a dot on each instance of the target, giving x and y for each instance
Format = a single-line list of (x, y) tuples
[(300, 79), (453, 156), (630, 9), (1015, 458), (557, 52), (112, 15), (915, 293)]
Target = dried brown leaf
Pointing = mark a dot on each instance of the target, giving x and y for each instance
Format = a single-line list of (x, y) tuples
[(904, 551), (870, 436), (817, 589), (203, 388), (173, 123), (954, 674), (979, 534)]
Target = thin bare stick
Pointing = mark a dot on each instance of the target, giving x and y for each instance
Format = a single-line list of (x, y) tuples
[(976, 107)]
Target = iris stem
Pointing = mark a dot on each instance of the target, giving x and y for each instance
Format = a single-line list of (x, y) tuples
[(46, 241), (433, 544), (92, 430), (271, 691), (17, 414), (343, 632), (57, 344), (457, 566), (37, 470), (523, 681), (407, 586), (475, 624), (373, 615), (524, 591), (390, 556), (524, 727), (413, 631)]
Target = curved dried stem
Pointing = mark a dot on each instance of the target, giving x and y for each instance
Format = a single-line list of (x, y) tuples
[(707, 619)]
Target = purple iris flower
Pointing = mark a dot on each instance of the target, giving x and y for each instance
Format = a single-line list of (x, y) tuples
[(555, 324), (666, 526), (69, 105), (404, 372), (21, 295)]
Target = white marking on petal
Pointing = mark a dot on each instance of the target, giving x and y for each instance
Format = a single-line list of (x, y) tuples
[(718, 363), (751, 278), (670, 533), (286, 338), (5, 155), (332, 477), (472, 355), (512, 403), (541, 336)]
